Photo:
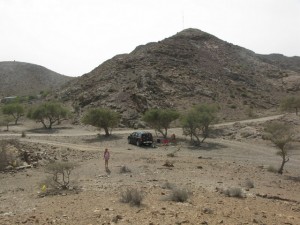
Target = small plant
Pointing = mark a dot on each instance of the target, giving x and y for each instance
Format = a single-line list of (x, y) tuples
[(168, 164), (7, 156), (168, 185), (125, 169), (132, 196), (172, 154), (249, 183), (272, 169), (234, 192), (179, 195), (23, 134), (60, 174)]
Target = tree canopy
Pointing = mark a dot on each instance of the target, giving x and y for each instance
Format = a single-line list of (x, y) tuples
[(196, 121), (16, 110), (102, 118), (48, 114), (160, 119)]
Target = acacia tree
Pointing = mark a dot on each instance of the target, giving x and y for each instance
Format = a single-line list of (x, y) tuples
[(160, 119), (196, 122), (16, 110), (291, 103), (5, 120), (102, 118), (48, 114), (280, 134)]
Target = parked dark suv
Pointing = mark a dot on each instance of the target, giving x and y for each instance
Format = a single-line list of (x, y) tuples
[(140, 138)]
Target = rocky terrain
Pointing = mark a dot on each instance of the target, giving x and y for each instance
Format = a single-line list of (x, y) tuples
[(228, 180), (20, 78), (188, 68)]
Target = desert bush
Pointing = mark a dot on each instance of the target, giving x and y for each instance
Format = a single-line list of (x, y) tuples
[(234, 192), (249, 183), (125, 169), (132, 196), (7, 157), (168, 185), (179, 195), (172, 154), (23, 134), (168, 164), (60, 172), (272, 169)]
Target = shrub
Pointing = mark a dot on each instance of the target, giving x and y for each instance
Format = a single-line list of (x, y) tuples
[(7, 157), (125, 169), (234, 192), (179, 195), (23, 134), (4, 159), (272, 169), (132, 196), (168, 185), (60, 174), (168, 164), (249, 183)]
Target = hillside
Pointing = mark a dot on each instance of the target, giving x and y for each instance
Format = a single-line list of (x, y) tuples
[(188, 68), (19, 78)]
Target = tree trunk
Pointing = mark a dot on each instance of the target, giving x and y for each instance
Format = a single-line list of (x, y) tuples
[(106, 131), (284, 160)]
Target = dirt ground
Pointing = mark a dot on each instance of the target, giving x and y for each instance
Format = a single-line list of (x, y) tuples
[(235, 157)]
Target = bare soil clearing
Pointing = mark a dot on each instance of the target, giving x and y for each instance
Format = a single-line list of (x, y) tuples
[(221, 163)]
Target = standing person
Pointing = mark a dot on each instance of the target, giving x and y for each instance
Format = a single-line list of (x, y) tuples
[(106, 157)]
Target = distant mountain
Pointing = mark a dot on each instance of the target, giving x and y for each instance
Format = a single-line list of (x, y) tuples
[(19, 78), (188, 68)]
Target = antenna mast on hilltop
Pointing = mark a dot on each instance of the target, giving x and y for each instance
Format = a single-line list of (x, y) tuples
[(182, 19)]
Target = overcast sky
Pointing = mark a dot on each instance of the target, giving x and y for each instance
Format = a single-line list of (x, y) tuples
[(72, 37)]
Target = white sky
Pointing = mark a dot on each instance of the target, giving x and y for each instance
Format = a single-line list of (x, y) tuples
[(72, 37)]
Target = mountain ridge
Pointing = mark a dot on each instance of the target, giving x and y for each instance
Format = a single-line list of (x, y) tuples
[(21, 78), (178, 72)]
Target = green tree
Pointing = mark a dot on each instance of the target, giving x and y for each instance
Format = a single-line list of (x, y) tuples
[(291, 103), (280, 134), (48, 114), (160, 119), (16, 110), (102, 118), (5, 120), (196, 122)]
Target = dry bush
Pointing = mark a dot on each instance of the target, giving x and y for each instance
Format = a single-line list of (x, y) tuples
[(5, 159), (179, 195), (8, 157), (172, 154), (168, 164), (168, 185), (249, 183), (234, 192), (61, 172), (23, 135), (125, 169), (132, 196), (272, 169)]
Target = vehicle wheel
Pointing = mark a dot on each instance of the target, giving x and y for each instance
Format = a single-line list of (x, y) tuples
[(138, 143), (129, 141)]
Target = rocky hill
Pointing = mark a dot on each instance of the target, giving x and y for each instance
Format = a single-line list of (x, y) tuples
[(19, 78), (188, 68)]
